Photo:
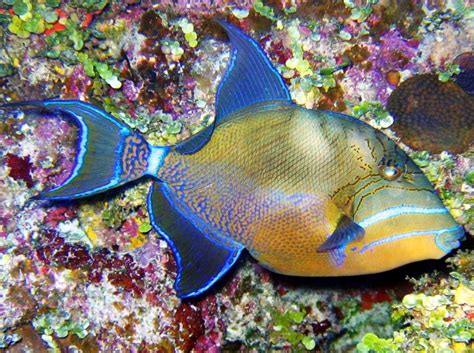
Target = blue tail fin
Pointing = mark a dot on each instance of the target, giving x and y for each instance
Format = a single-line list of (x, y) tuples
[(109, 153)]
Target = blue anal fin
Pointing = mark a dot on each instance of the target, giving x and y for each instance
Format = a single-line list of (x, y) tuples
[(346, 231), (201, 261), (108, 154), (250, 77)]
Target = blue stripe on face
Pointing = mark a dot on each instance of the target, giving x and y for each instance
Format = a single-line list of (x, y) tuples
[(398, 211), (458, 232)]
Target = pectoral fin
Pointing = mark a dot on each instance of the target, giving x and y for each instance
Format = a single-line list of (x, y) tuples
[(201, 261), (346, 231)]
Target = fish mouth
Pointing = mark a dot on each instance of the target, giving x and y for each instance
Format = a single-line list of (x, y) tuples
[(446, 238), (449, 239)]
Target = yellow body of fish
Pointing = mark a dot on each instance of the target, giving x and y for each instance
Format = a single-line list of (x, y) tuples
[(278, 178)]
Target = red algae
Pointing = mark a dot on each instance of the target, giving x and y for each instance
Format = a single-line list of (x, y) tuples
[(20, 168), (371, 298), (59, 214), (188, 319), (78, 85), (121, 271), (55, 251)]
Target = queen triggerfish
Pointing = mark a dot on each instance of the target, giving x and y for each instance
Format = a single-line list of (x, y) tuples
[(306, 192)]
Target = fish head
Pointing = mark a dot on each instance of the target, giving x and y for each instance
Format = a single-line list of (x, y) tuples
[(402, 215)]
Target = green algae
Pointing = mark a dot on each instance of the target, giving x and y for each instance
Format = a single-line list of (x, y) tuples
[(53, 3), (437, 18), (372, 343), (438, 170), (285, 327), (67, 42), (6, 70), (375, 109), (449, 72), (91, 5), (59, 324), (360, 13), (30, 17), (22, 7), (189, 34), (172, 49), (357, 322), (264, 10), (469, 177), (144, 227), (114, 215)]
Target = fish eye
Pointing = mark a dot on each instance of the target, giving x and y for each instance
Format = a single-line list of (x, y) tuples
[(390, 172)]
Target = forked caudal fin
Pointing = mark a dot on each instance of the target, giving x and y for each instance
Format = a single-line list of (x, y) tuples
[(108, 154)]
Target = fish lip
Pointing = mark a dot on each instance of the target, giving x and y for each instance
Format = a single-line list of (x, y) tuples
[(441, 240), (450, 241)]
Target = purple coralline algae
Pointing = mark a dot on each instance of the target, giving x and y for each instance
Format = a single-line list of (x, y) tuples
[(93, 276)]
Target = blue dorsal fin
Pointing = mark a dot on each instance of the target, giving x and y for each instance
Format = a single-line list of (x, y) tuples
[(250, 77), (346, 231), (201, 261)]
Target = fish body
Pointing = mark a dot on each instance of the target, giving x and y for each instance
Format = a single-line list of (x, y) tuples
[(307, 193), (278, 178)]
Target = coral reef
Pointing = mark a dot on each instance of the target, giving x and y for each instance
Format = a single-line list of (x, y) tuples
[(92, 276), (437, 316)]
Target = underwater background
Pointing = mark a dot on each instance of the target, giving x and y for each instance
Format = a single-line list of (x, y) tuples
[(93, 276)]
